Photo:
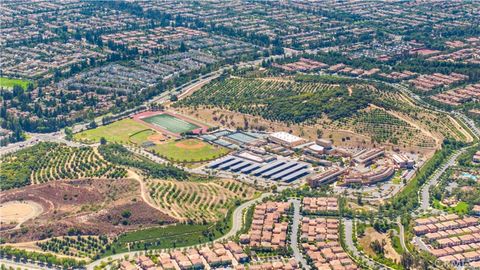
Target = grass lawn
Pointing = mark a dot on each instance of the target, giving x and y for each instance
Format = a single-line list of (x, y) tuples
[(461, 208), (142, 136), (9, 83), (119, 131), (189, 150)]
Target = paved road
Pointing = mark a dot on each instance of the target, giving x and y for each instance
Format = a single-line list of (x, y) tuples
[(238, 218), (35, 138), (420, 244), (22, 265), (425, 191), (294, 234), (237, 223), (402, 235)]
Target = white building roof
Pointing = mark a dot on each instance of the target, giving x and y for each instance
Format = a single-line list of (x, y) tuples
[(286, 137), (316, 147)]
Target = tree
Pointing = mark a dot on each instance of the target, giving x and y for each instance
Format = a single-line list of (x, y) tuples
[(359, 199), (68, 134), (407, 260), (378, 247), (103, 141), (183, 47)]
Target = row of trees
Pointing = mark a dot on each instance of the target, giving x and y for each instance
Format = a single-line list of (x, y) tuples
[(46, 258), (117, 154)]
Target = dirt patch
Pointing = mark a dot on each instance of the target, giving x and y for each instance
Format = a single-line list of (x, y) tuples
[(190, 144), (18, 212), (157, 138), (370, 236), (88, 207)]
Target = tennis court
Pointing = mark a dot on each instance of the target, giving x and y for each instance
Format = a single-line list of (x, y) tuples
[(170, 123)]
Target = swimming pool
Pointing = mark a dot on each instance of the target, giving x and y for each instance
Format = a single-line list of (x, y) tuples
[(469, 175)]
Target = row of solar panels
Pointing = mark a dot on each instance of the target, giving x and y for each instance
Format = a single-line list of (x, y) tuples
[(279, 170)]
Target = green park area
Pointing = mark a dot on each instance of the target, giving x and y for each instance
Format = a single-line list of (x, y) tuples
[(9, 83), (460, 208)]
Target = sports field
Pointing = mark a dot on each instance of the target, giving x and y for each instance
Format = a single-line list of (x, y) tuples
[(189, 150), (170, 123), (119, 131)]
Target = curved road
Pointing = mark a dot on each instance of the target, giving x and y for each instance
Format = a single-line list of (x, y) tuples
[(425, 190), (237, 223), (402, 235)]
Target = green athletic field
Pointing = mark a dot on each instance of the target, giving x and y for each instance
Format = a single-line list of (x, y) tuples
[(189, 150), (119, 131), (170, 123)]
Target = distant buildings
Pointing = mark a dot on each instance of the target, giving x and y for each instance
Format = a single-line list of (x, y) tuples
[(427, 83), (451, 239), (459, 96)]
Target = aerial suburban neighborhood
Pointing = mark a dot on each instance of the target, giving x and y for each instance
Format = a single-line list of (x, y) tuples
[(243, 134)]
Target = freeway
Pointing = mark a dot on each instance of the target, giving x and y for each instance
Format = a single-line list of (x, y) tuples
[(237, 223), (294, 234)]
